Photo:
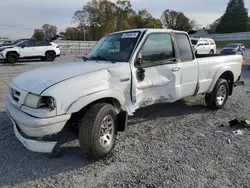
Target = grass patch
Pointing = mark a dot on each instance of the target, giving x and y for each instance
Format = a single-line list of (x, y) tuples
[(221, 44)]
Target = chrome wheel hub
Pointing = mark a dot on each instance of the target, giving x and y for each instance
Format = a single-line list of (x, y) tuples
[(221, 95), (106, 133)]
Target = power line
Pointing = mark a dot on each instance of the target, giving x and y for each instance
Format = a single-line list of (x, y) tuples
[(12, 26), (25, 28)]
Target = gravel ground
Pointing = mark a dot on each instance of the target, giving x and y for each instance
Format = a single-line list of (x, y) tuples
[(166, 145)]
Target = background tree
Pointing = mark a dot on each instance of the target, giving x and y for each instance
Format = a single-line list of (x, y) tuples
[(38, 34), (49, 30), (248, 25), (177, 21), (124, 14), (100, 17), (213, 27), (145, 20), (235, 18), (73, 33)]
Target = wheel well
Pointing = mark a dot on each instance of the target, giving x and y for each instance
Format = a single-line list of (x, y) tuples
[(50, 51), (228, 75), (13, 52), (122, 115)]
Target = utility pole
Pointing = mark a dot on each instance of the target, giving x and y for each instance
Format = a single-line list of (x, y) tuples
[(84, 33)]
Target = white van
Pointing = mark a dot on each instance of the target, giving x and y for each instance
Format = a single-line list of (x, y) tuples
[(203, 45)]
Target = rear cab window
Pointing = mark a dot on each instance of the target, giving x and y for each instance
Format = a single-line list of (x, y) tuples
[(184, 46)]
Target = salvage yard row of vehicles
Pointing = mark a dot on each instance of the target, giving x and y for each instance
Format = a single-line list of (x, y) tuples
[(208, 46), (122, 73), (29, 49)]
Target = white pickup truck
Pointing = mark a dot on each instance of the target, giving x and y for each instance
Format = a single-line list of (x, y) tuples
[(123, 72)]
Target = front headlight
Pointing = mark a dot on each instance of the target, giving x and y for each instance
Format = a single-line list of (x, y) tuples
[(32, 100), (37, 101)]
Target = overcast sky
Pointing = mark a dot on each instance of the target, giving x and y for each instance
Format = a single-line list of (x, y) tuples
[(33, 14)]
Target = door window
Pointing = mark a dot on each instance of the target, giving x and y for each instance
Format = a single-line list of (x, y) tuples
[(157, 49), (206, 42), (28, 44), (42, 43)]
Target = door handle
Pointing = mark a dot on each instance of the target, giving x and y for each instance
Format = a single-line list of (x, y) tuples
[(175, 69)]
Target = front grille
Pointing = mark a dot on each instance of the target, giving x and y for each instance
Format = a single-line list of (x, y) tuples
[(15, 94)]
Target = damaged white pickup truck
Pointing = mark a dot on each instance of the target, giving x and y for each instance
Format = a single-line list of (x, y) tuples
[(123, 72)]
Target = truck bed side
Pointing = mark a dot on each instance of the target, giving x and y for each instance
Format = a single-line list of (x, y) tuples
[(213, 67)]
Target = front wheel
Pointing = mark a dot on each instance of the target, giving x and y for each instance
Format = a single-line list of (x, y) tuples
[(218, 97), (98, 130), (12, 57)]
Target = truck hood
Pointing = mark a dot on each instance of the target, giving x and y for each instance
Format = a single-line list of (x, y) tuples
[(36, 81)]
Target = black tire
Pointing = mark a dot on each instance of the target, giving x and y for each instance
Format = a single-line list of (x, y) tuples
[(12, 57), (50, 56), (90, 131), (211, 52), (213, 100)]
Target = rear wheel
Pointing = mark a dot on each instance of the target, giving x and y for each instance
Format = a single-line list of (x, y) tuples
[(50, 56), (12, 57), (218, 97), (98, 130), (211, 52)]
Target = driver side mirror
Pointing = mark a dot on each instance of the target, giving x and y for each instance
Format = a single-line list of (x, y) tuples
[(22, 46), (139, 61)]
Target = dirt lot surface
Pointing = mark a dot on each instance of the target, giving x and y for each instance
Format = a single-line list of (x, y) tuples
[(166, 145)]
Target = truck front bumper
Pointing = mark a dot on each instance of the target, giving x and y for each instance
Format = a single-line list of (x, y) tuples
[(33, 132)]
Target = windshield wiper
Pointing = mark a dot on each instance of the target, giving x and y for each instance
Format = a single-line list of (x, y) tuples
[(105, 59)]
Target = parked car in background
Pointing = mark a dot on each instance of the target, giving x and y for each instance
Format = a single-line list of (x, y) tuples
[(31, 49), (233, 48), (203, 45), (12, 43), (6, 42)]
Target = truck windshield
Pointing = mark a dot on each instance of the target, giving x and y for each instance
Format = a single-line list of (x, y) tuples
[(115, 47)]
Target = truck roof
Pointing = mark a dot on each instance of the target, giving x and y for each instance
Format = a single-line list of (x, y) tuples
[(149, 30)]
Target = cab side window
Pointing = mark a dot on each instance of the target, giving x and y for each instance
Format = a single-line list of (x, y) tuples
[(157, 49)]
